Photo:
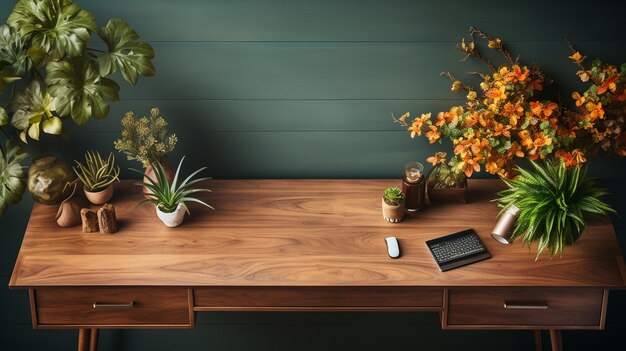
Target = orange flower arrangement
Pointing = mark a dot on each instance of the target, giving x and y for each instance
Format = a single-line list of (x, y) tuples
[(506, 120), (601, 110)]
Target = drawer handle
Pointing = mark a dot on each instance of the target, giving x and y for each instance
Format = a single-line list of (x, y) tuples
[(114, 305), (526, 305)]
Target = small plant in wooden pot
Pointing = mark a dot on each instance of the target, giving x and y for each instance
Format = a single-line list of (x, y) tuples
[(393, 204), (97, 176), (170, 197)]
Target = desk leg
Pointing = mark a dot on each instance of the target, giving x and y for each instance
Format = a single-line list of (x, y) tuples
[(538, 340), (93, 340), (84, 336), (555, 340)]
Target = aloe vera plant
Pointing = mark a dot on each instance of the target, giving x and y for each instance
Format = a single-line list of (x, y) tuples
[(97, 173), (165, 195), (554, 204)]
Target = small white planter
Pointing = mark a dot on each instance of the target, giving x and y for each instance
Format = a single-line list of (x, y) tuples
[(172, 219)]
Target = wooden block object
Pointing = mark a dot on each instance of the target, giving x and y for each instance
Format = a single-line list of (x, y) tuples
[(89, 218), (107, 220)]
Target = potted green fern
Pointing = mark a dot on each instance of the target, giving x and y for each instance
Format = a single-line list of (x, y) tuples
[(97, 176), (168, 197), (554, 204), (393, 204)]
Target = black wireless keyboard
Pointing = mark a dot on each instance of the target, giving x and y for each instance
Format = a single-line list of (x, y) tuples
[(458, 249)]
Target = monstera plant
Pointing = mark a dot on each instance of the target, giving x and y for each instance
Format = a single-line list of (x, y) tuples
[(53, 74)]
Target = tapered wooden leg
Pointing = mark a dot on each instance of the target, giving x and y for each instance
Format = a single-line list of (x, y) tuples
[(556, 340), (93, 340), (83, 339), (538, 340)]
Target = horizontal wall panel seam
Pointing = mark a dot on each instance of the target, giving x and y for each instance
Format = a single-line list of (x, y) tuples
[(371, 41)]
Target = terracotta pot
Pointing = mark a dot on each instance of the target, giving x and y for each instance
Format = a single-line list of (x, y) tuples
[(169, 174), (393, 214), (172, 219), (100, 197), (448, 194), (68, 214)]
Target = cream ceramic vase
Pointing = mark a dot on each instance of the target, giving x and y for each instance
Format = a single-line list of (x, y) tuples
[(100, 197), (172, 219)]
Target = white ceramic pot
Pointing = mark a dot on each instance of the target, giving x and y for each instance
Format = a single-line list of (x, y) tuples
[(172, 219)]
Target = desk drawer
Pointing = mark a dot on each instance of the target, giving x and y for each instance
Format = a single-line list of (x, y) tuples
[(526, 308), (318, 298), (120, 307)]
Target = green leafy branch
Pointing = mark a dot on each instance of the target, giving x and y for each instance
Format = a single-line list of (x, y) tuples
[(44, 46)]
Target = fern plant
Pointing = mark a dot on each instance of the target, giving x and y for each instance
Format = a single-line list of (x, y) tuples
[(554, 204), (393, 196), (97, 174)]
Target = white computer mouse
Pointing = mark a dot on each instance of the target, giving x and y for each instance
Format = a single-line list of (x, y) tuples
[(393, 248)]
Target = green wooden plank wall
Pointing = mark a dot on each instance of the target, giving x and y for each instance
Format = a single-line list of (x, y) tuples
[(295, 88)]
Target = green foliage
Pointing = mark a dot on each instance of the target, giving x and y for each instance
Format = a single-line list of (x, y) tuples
[(131, 55), (33, 106), (4, 116), (58, 27), (445, 176), (555, 203), (167, 196), (97, 174), (46, 41), (12, 175), (13, 51), (84, 92), (393, 196)]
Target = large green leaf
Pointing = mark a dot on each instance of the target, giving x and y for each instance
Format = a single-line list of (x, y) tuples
[(6, 78), (4, 116), (82, 92), (58, 27), (31, 106), (126, 51), (12, 175), (13, 52)]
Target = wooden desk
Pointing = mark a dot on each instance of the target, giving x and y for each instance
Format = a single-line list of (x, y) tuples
[(305, 245)]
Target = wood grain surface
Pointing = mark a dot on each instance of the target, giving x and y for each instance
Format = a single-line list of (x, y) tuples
[(579, 307), (153, 307), (298, 233), (358, 298)]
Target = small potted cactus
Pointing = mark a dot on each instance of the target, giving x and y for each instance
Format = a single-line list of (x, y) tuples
[(97, 176), (393, 204)]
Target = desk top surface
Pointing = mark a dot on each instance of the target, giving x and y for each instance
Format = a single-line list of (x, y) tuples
[(299, 233)]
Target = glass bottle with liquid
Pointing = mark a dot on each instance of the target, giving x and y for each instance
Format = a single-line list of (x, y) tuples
[(413, 186)]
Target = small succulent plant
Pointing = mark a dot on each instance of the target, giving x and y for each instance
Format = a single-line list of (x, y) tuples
[(97, 173), (393, 196)]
